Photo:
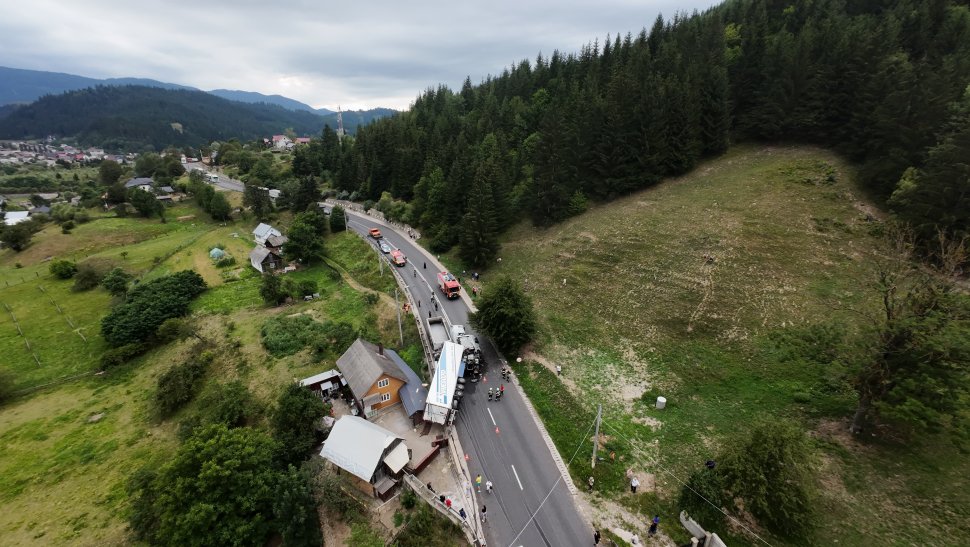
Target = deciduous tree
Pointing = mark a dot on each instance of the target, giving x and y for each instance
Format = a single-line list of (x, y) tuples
[(338, 219), (219, 489), (913, 360), (294, 423), (506, 314), (305, 241)]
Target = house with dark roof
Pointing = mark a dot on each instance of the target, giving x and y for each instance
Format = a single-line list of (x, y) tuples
[(275, 243), (380, 379), (265, 260), (145, 183)]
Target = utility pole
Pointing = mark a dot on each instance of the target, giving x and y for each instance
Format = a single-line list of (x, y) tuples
[(400, 329), (380, 262), (596, 436)]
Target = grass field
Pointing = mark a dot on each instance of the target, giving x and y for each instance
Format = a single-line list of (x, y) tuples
[(677, 291), (70, 447)]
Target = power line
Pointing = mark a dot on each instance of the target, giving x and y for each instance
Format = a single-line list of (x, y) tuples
[(676, 478), (553, 488)]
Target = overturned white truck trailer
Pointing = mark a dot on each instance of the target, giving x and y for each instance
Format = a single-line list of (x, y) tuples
[(441, 392)]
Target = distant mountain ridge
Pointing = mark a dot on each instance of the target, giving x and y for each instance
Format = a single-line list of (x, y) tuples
[(21, 86), (279, 100), (133, 117)]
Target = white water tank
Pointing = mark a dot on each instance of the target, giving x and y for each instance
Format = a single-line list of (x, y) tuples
[(661, 402)]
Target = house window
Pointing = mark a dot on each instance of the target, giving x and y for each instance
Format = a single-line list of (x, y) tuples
[(385, 397), (383, 383)]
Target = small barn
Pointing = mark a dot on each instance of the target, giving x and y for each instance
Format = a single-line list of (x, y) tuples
[(325, 383), (265, 260), (374, 456)]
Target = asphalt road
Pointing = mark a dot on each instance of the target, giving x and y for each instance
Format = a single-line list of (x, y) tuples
[(531, 505), (224, 181)]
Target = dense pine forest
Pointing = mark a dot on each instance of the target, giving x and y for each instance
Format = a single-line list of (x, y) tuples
[(883, 82)]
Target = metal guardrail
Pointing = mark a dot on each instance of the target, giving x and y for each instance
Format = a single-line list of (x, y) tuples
[(470, 525)]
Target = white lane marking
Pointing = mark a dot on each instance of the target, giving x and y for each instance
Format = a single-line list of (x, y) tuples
[(490, 416), (517, 478)]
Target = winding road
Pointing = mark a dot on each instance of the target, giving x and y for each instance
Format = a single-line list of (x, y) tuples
[(531, 504)]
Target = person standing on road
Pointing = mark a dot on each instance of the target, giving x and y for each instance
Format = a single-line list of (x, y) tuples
[(653, 525), (461, 513), (484, 513), (634, 483), (596, 537), (425, 265), (590, 482), (558, 370), (488, 486), (478, 483)]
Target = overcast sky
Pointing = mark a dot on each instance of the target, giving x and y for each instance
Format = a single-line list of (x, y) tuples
[(357, 55)]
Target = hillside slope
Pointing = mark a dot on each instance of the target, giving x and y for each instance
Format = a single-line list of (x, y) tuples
[(680, 291), (134, 116)]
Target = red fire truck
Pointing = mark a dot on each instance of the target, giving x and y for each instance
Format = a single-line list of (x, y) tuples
[(449, 285)]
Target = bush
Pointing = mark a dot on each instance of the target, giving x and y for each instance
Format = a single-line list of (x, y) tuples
[(90, 273), (121, 355), (63, 269), (149, 305), (226, 262), (116, 282), (67, 227), (333, 338), (771, 471), (229, 404), (307, 287), (174, 328), (180, 383), (284, 336), (271, 289), (408, 498), (709, 484), (331, 490)]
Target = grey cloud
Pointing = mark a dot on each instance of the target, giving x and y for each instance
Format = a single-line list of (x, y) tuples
[(357, 54)]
